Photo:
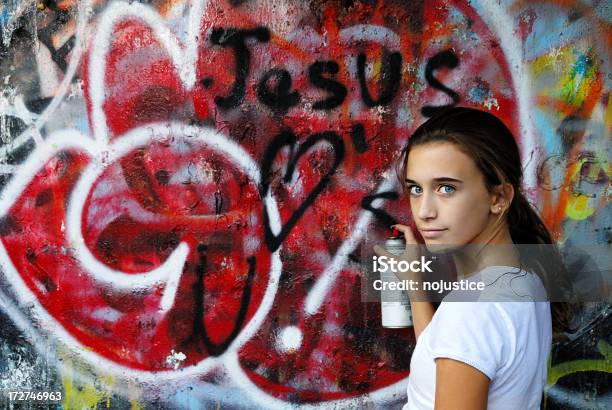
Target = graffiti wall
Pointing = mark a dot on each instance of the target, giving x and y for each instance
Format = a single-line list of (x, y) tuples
[(187, 185)]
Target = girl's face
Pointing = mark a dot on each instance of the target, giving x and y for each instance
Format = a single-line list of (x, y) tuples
[(448, 197)]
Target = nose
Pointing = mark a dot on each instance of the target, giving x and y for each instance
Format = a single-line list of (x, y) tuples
[(426, 207)]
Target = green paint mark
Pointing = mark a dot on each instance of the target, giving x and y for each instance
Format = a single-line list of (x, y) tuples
[(576, 86)]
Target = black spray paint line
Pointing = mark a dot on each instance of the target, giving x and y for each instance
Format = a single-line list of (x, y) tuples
[(391, 70), (280, 97), (199, 326), (381, 215), (236, 39), (338, 90), (44, 34), (359, 139), (287, 138), (446, 58)]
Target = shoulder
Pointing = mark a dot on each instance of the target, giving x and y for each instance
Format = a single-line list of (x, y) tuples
[(501, 284), (483, 318), (509, 284)]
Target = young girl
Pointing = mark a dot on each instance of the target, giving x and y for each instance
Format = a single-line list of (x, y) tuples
[(462, 172)]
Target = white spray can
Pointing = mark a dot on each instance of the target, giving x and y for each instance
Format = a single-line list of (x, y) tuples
[(395, 304)]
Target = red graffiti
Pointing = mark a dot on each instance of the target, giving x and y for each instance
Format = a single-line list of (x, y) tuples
[(180, 189)]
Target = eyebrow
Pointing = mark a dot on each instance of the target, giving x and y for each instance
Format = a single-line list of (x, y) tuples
[(441, 179)]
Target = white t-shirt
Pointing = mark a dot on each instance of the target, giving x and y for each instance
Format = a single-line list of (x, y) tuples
[(506, 334)]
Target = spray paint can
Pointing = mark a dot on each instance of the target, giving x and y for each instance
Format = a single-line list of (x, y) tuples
[(395, 304)]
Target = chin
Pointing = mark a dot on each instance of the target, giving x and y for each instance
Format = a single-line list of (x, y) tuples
[(441, 247)]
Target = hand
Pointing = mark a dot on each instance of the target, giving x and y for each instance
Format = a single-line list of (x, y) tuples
[(413, 251)]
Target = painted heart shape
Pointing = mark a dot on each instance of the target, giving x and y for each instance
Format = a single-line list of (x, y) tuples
[(287, 139)]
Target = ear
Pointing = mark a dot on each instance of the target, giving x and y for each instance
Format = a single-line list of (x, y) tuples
[(501, 198)]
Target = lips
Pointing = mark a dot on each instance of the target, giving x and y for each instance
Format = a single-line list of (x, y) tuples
[(432, 233)]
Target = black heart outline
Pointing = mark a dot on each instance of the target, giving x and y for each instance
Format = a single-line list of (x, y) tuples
[(287, 138)]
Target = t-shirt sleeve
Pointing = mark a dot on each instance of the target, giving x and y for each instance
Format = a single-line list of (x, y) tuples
[(475, 333)]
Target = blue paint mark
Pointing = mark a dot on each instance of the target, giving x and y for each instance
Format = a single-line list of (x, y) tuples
[(8, 10), (456, 16), (551, 30), (581, 66), (83, 125), (202, 395), (4, 17), (547, 126), (478, 93)]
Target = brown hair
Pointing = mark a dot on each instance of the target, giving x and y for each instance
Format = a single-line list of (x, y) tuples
[(489, 142)]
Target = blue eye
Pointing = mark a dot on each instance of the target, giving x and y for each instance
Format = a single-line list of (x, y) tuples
[(415, 189), (450, 189)]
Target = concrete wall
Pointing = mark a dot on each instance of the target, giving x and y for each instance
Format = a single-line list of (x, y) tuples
[(186, 187)]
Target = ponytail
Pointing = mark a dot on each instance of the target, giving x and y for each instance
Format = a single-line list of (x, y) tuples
[(543, 258)]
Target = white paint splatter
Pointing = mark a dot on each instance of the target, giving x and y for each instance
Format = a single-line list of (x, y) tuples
[(490, 102), (174, 359), (289, 339)]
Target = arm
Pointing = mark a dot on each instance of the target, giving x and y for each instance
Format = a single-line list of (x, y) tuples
[(470, 342), (460, 386), (422, 312)]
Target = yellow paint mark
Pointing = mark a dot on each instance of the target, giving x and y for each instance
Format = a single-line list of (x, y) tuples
[(80, 397), (135, 405), (557, 59), (79, 394), (580, 206), (577, 208), (377, 67), (608, 116)]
